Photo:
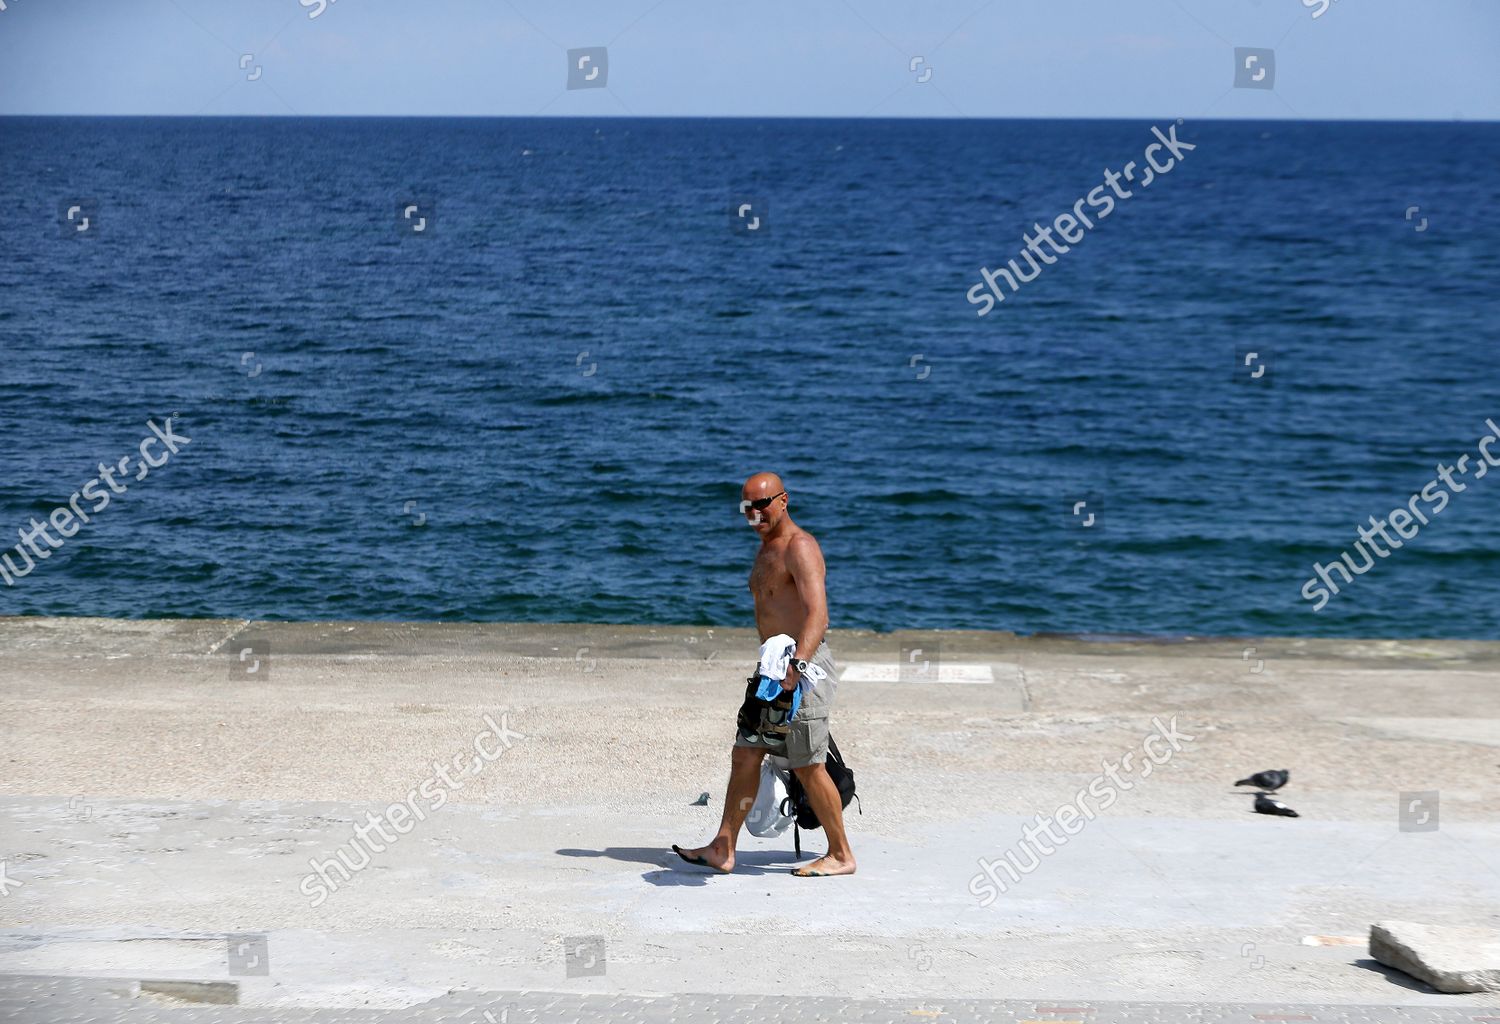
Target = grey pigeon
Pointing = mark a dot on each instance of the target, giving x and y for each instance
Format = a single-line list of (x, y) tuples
[(1265, 805), (1270, 780), (702, 801)]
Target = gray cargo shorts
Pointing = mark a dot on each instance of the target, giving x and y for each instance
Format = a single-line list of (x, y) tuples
[(802, 741)]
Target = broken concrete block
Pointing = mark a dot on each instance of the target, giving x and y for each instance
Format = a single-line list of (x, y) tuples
[(1450, 959)]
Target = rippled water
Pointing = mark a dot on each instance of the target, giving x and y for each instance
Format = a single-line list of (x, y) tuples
[(565, 377)]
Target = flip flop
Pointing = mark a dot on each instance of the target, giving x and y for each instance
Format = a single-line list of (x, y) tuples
[(696, 860), (813, 874)]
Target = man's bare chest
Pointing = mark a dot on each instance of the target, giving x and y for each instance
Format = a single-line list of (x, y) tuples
[(768, 573)]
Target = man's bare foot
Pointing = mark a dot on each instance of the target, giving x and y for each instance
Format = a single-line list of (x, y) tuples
[(716, 855), (826, 866)]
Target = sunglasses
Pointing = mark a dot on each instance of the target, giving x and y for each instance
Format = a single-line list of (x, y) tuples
[(760, 505)]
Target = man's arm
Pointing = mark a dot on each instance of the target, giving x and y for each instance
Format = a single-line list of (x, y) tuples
[(805, 562)]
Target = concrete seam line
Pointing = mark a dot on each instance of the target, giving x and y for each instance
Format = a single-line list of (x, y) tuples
[(232, 634)]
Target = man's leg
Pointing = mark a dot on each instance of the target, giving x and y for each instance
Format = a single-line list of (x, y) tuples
[(827, 805), (739, 797)]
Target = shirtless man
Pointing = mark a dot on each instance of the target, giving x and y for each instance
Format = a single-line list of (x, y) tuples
[(787, 585)]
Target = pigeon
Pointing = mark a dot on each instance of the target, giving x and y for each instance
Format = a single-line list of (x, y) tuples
[(1270, 780), (1265, 805), (702, 801)]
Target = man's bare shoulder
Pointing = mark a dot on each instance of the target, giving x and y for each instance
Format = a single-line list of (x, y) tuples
[(804, 546)]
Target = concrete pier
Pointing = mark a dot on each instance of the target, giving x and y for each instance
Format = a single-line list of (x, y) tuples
[(169, 785)]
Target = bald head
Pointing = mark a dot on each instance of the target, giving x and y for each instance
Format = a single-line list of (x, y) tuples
[(761, 485)]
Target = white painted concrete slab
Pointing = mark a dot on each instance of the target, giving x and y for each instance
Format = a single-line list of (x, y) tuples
[(891, 672)]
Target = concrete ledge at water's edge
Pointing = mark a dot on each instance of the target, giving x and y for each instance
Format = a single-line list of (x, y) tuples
[(1269, 678), (127, 637)]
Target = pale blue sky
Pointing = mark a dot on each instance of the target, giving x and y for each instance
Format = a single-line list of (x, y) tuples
[(1387, 59)]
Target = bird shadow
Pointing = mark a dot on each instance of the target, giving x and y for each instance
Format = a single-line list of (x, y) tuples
[(672, 870), (1398, 978)]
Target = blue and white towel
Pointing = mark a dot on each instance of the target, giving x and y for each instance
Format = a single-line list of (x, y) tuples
[(775, 655)]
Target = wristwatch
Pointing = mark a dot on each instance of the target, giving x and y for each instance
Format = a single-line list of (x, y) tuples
[(799, 665)]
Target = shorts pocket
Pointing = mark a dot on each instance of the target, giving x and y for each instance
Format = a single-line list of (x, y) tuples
[(807, 742)]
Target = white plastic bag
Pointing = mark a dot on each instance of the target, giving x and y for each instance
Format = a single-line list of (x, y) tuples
[(765, 819)]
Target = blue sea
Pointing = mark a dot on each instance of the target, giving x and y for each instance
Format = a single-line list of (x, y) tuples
[(541, 405)]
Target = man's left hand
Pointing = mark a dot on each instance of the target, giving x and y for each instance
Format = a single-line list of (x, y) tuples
[(790, 682)]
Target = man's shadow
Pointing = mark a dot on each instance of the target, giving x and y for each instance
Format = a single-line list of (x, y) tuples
[(672, 870)]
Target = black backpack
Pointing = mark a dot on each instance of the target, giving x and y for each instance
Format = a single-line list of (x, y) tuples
[(796, 803)]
